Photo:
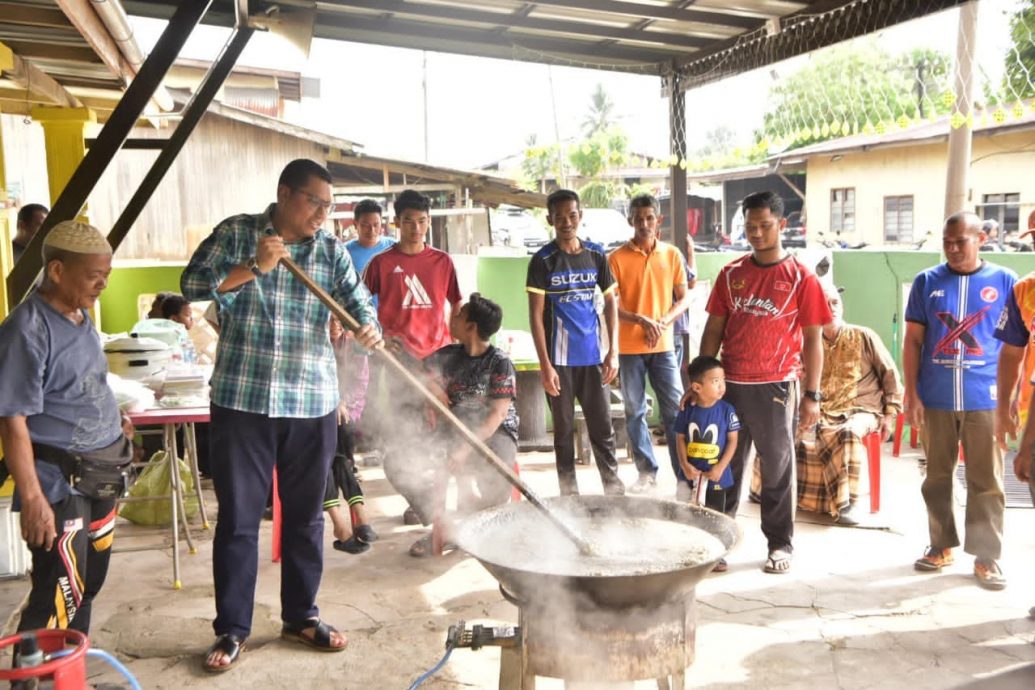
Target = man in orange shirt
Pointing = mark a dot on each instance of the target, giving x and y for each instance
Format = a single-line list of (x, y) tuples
[(652, 294)]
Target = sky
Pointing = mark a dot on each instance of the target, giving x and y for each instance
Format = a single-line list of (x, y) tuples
[(481, 109)]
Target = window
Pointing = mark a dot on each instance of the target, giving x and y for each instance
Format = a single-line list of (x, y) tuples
[(898, 218), (842, 210), (1004, 208)]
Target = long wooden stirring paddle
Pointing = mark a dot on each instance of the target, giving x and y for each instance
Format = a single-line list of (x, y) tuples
[(497, 464)]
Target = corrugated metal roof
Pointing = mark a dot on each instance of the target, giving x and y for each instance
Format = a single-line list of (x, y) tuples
[(702, 40)]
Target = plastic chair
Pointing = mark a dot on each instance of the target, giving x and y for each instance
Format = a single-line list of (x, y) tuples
[(896, 445), (872, 443)]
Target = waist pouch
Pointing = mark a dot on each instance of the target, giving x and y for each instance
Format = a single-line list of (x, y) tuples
[(99, 474)]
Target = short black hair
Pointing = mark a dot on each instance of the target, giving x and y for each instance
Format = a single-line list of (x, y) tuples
[(173, 305), (486, 314), (702, 365), (411, 200), (769, 200), (296, 174), (26, 212), (560, 195), (156, 305), (644, 201), (366, 206)]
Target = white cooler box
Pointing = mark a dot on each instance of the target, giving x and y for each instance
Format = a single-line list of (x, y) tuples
[(14, 553)]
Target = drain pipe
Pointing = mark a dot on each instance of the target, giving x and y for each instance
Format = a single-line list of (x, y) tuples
[(115, 19)]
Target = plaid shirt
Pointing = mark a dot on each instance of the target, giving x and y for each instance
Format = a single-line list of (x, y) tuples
[(275, 355)]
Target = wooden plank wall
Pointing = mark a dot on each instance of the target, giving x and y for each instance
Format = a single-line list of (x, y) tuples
[(226, 168)]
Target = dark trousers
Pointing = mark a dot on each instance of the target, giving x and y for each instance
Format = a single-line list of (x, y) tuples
[(342, 476), (245, 448), (586, 385), (66, 579), (768, 416)]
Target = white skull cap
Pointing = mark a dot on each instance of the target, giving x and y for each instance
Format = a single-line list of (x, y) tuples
[(78, 238)]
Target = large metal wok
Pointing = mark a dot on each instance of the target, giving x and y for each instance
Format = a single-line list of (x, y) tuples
[(524, 581)]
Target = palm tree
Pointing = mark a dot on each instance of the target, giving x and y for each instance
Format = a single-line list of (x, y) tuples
[(599, 117)]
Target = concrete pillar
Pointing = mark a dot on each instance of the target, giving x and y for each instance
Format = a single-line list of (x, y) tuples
[(960, 138), (7, 230), (64, 131)]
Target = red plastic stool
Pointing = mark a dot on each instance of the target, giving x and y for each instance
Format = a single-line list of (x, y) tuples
[(67, 672), (872, 443), (276, 519), (437, 533)]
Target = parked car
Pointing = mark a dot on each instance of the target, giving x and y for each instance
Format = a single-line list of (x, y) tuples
[(605, 226), (514, 227)]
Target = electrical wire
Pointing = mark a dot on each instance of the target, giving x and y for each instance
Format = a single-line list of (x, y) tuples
[(433, 670)]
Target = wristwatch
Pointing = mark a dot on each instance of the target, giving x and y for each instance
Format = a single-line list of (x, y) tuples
[(253, 266), (815, 396)]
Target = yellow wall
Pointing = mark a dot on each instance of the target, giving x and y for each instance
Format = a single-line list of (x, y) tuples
[(1000, 164)]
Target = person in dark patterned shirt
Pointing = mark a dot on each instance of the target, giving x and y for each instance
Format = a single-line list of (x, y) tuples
[(479, 384)]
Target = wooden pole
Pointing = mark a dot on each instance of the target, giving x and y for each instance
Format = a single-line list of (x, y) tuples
[(349, 322)]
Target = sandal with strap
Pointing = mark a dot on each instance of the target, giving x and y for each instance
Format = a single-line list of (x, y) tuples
[(229, 646), (321, 639), (779, 562)]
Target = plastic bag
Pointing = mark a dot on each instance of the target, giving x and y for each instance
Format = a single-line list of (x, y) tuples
[(154, 482)]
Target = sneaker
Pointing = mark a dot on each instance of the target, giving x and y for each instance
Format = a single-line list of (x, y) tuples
[(988, 574), (645, 484), (933, 560)]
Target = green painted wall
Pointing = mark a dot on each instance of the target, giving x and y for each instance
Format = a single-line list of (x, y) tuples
[(119, 299)]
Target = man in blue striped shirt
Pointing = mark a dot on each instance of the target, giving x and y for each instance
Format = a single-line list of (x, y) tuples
[(274, 398)]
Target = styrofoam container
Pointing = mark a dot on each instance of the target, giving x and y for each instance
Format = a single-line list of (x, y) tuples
[(14, 553)]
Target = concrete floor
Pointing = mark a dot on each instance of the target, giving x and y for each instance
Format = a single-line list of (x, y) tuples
[(852, 613)]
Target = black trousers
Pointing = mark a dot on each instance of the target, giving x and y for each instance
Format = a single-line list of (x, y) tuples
[(66, 579), (586, 385), (245, 448), (342, 476), (768, 415)]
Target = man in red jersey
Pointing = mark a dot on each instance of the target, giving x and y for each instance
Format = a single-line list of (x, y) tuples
[(767, 311), (413, 283)]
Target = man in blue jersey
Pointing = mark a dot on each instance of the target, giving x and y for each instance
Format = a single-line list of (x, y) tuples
[(950, 358), (563, 279), (371, 239)]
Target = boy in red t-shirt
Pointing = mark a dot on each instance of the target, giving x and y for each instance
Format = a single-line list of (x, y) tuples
[(413, 283), (767, 311)]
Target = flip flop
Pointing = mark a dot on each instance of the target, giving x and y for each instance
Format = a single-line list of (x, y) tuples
[(778, 563), (351, 545), (231, 646), (321, 639)]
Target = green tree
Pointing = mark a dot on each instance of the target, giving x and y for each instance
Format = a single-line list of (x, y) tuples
[(599, 117), (1020, 61), (604, 150), (539, 163), (855, 88)]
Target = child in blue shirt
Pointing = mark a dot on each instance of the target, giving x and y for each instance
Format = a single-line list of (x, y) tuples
[(706, 431)]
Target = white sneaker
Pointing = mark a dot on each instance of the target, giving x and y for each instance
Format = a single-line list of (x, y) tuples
[(645, 484)]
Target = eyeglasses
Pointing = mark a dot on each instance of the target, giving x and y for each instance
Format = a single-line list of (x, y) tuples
[(316, 202)]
